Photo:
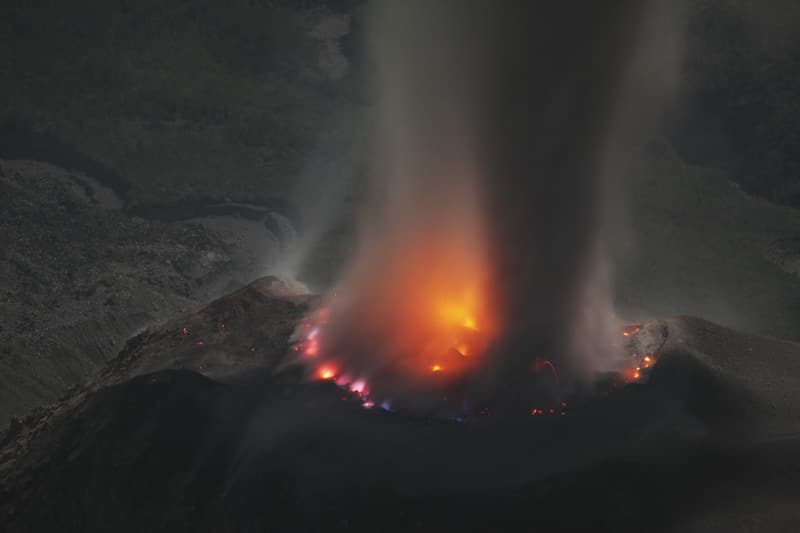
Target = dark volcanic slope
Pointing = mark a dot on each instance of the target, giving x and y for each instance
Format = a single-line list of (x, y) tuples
[(229, 339), (79, 275), (77, 279), (710, 443)]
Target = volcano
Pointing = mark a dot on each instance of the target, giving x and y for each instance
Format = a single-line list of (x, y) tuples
[(199, 425), (465, 367)]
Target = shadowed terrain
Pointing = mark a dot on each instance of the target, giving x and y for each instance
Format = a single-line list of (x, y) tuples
[(709, 442)]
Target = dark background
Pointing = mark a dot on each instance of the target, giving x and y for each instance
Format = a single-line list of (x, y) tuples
[(176, 100)]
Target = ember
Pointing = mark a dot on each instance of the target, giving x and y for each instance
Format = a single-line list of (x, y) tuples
[(630, 331), (326, 372), (359, 387), (549, 411), (447, 361), (544, 364)]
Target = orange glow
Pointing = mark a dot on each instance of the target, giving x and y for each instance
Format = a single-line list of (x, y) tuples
[(326, 372), (416, 305), (312, 348), (639, 365), (418, 302), (630, 331), (632, 374), (458, 314)]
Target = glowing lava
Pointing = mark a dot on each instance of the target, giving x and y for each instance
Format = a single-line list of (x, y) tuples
[(453, 345), (631, 330), (415, 318), (326, 372)]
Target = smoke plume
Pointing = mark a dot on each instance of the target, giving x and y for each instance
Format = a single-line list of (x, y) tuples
[(487, 191)]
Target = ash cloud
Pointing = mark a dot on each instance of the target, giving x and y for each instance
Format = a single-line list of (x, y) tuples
[(421, 224), (502, 123), (556, 72), (571, 88)]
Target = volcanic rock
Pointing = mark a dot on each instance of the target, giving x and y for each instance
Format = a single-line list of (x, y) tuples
[(707, 443), (78, 276)]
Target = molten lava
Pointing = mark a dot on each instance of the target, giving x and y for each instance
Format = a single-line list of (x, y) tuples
[(326, 372), (631, 330), (424, 332), (416, 312), (454, 349)]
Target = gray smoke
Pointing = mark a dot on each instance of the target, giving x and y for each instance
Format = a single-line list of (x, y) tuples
[(501, 122), (570, 88)]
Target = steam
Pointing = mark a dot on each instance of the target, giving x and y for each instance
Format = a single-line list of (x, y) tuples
[(488, 185), (321, 194)]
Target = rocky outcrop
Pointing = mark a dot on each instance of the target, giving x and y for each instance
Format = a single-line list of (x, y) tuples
[(77, 279)]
